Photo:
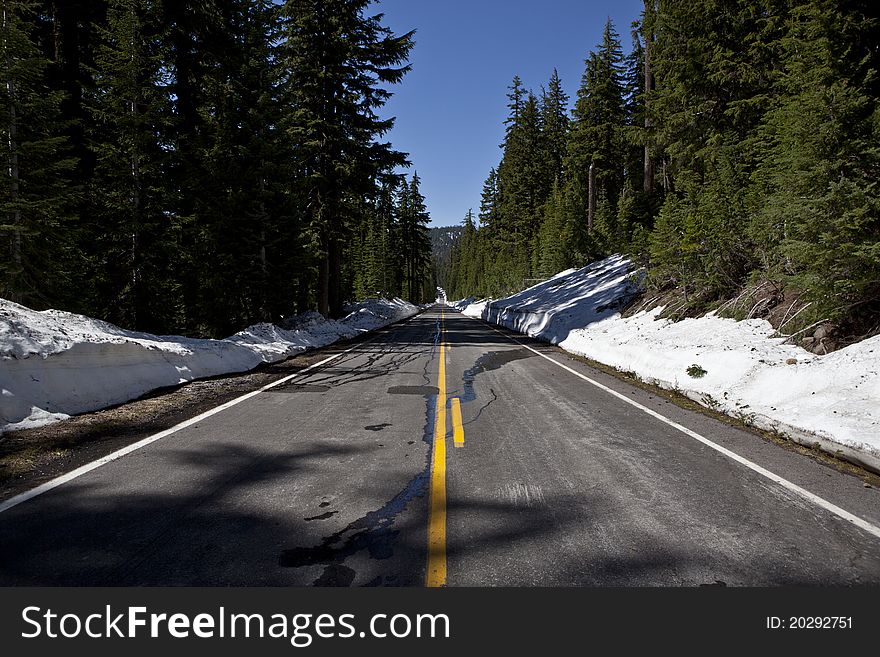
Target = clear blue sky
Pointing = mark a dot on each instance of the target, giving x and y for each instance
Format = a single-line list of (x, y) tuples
[(450, 108)]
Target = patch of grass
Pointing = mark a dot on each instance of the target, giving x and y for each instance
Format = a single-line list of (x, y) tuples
[(18, 463), (710, 402)]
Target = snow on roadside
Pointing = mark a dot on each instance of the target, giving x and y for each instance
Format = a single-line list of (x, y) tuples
[(461, 304), (470, 306), (55, 364), (832, 400), (475, 309)]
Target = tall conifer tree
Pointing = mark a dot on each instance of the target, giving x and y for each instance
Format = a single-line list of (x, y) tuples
[(338, 60), (36, 191)]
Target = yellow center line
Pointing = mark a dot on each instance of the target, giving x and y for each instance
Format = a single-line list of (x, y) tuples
[(436, 571), (457, 426)]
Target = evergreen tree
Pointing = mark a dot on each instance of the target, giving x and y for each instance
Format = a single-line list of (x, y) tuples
[(523, 181), (595, 151), (554, 237), (555, 126), (337, 58), (490, 201), (386, 211), (241, 158), (715, 69), (818, 218), (467, 261), (36, 193), (415, 243), (633, 137), (135, 240)]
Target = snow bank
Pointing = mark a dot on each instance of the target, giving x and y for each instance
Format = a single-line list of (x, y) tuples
[(461, 304), (470, 306), (832, 400), (475, 309), (570, 299), (54, 364)]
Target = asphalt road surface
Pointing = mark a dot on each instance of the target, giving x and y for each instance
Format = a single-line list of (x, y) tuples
[(348, 475)]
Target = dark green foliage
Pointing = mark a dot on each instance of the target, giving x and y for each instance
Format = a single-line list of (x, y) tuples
[(554, 238), (391, 251), (239, 158), (133, 238), (444, 241), (413, 219), (555, 126), (200, 165), (338, 59), (599, 117), (36, 193), (197, 166), (819, 217), (466, 273), (752, 153)]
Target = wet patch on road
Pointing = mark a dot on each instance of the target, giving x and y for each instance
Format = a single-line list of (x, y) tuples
[(322, 516), (489, 361), (336, 575), (413, 390), (374, 531), (377, 427)]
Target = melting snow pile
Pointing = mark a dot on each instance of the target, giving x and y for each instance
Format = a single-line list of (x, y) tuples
[(741, 369), (461, 304), (54, 364)]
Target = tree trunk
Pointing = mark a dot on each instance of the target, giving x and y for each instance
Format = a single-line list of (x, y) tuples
[(139, 308), (324, 285), (263, 309), (14, 288), (335, 279), (591, 198), (649, 85)]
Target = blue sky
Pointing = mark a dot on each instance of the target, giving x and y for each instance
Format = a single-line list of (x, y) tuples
[(451, 106)]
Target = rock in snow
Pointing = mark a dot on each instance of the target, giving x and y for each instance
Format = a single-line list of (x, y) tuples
[(831, 400), (55, 364)]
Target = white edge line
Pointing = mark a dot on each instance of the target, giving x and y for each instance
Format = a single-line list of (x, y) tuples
[(785, 483), (88, 467)]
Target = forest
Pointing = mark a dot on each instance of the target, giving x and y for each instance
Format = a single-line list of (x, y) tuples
[(197, 166), (737, 142)]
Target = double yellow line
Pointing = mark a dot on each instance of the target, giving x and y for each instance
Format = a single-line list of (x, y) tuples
[(436, 570)]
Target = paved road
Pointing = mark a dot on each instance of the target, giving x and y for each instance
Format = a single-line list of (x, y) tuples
[(336, 478)]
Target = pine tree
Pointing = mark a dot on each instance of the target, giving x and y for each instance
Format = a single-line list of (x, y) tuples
[(490, 201), (135, 240), (554, 237), (337, 58), (244, 243), (819, 217), (555, 126), (524, 182), (715, 69), (595, 159), (634, 109), (416, 245), (36, 193), (467, 261)]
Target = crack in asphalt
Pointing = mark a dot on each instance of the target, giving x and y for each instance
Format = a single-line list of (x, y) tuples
[(373, 531), (489, 361)]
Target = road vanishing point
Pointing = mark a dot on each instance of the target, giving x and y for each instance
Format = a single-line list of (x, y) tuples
[(444, 451)]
